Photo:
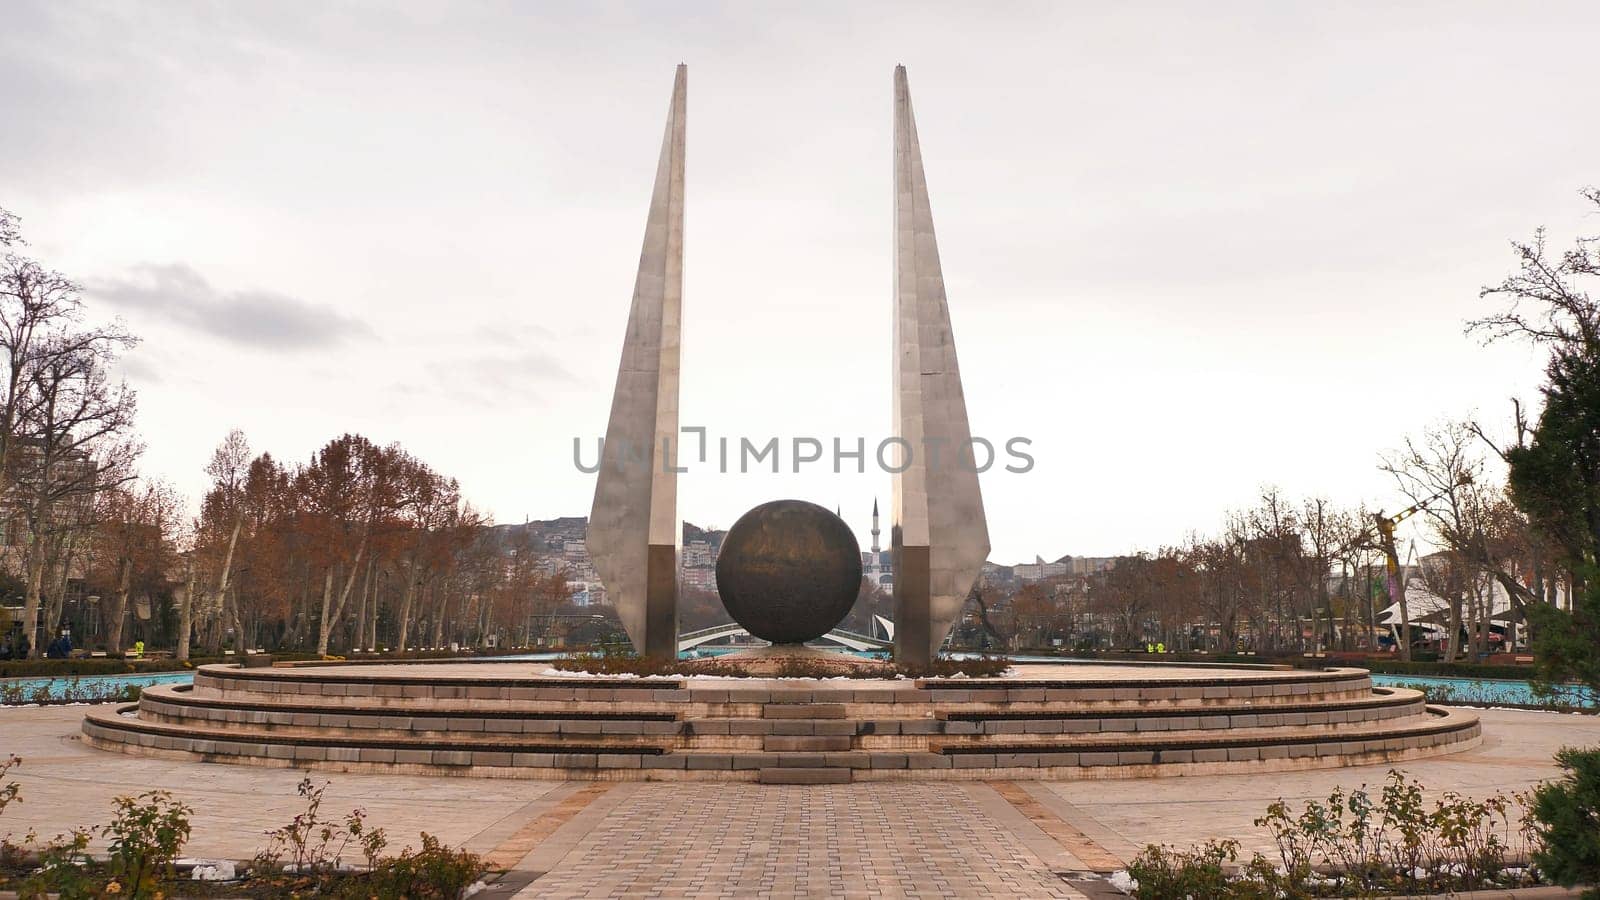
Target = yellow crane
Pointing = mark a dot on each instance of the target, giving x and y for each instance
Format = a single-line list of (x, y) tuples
[(1385, 526)]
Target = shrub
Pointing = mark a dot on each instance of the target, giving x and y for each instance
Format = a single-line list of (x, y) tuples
[(146, 834), (64, 667), (1395, 843), (64, 868), (1566, 814), (305, 856), (436, 872), (1353, 845), (1164, 873), (315, 846), (9, 790)]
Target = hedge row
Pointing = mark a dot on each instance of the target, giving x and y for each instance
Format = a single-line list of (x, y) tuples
[(1375, 664), (1448, 669), (15, 668), (22, 668)]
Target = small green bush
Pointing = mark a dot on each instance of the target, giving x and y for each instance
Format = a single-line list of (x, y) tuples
[(9, 790), (1566, 814), (315, 846), (305, 857), (64, 868), (1353, 844), (436, 872), (146, 834), (1206, 871)]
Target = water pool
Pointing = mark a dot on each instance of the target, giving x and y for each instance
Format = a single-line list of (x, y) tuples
[(1490, 690), (87, 687), (1465, 690)]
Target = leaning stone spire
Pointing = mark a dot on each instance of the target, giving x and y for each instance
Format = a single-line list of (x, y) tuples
[(634, 532), (937, 529)]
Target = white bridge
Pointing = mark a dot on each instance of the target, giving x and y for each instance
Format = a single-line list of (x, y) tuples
[(689, 640)]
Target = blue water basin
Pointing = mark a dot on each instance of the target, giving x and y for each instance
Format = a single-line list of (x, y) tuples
[(89, 687), (1466, 690), (1492, 690)]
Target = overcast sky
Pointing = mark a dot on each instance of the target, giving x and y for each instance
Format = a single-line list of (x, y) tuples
[(1190, 249)]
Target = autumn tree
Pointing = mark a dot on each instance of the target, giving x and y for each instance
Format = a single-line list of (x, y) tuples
[(133, 548)]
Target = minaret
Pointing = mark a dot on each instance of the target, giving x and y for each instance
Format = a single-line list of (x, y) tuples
[(874, 530)]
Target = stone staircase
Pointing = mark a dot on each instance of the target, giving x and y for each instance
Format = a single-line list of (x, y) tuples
[(481, 721)]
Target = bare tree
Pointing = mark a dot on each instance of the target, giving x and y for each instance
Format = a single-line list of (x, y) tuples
[(1566, 318), (74, 442), (225, 508), (1471, 516), (64, 426)]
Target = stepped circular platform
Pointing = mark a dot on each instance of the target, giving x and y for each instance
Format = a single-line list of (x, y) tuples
[(525, 720)]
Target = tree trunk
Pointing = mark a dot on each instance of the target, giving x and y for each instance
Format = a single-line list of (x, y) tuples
[(331, 616), (405, 609), (30, 603), (363, 599), (372, 623), (185, 611), (327, 610), (230, 610), (56, 604), (119, 607), (227, 559), (1453, 636), (361, 610), (438, 619)]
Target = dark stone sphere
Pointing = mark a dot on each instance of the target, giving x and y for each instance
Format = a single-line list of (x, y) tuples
[(789, 571)]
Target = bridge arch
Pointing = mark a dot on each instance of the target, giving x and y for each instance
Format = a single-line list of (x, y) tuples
[(689, 640)]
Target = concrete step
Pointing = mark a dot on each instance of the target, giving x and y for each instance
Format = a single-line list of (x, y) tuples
[(804, 776), (799, 743), (802, 711)]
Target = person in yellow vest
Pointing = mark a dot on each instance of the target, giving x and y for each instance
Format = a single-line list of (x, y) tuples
[(138, 650)]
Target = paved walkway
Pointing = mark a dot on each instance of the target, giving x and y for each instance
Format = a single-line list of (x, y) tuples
[(579, 839)]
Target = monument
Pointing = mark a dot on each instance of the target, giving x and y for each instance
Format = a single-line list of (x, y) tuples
[(939, 539), (634, 533), (938, 536), (789, 571)]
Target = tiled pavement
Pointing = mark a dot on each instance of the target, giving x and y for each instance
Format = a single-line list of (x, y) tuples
[(635, 839), (704, 839)]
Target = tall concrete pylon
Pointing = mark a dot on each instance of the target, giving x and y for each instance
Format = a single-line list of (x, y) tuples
[(938, 533), (635, 536)]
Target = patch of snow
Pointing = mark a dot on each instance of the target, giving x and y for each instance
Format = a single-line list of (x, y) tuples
[(211, 869)]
